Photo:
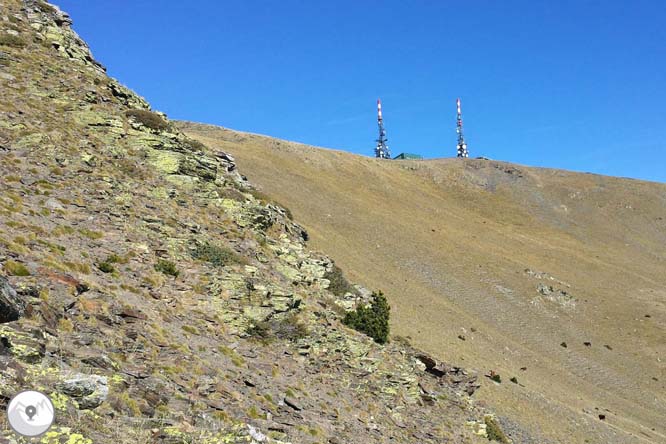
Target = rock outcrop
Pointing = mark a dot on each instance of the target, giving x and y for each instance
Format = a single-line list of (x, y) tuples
[(11, 306)]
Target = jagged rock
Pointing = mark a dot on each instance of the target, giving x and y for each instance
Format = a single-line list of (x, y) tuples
[(561, 297), (127, 96), (152, 390), (455, 376), (100, 361), (11, 305), (26, 346), (88, 390), (291, 402), (53, 204)]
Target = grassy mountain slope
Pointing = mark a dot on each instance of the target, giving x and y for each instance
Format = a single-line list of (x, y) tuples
[(158, 298), (501, 267)]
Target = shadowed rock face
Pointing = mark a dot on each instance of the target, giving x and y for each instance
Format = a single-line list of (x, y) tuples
[(11, 306)]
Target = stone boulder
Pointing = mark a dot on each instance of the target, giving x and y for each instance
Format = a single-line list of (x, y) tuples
[(88, 390), (11, 306)]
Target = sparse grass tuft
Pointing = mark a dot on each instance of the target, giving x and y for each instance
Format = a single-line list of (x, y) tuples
[(90, 234), (167, 267), (115, 259), (254, 413), (62, 230), (65, 325), (236, 359), (191, 330), (81, 268), (13, 268)]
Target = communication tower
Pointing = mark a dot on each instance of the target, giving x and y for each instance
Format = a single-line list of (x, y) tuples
[(382, 149)]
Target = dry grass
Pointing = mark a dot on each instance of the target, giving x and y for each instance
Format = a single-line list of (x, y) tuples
[(12, 41), (449, 240)]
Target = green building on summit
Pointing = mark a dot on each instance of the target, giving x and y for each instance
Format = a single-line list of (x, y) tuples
[(407, 156)]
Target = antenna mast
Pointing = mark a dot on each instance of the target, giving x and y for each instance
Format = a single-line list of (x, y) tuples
[(462, 145), (382, 149)]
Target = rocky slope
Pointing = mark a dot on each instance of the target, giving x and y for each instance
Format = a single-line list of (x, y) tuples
[(552, 277), (156, 296)]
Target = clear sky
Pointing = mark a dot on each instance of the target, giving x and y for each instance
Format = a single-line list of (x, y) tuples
[(574, 84)]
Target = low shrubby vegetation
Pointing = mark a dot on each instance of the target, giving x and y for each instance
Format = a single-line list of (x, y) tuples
[(372, 320), (13, 268), (106, 266), (494, 431), (217, 255), (339, 285), (290, 328), (167, 267), (148, 119), (13, 41)]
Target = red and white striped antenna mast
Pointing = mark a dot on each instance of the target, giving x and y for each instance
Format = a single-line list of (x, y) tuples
[(462, 145), (382, 149)]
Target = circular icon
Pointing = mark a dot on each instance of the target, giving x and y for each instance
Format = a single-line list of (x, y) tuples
[(30, 413)]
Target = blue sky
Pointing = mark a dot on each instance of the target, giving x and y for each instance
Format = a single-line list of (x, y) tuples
[(574, 84)]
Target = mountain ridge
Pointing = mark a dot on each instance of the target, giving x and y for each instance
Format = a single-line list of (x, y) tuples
[(156, 296), (530, 258)]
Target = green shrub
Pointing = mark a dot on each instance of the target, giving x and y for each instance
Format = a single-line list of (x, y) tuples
[(373, 320), (105, 267), (12, 41), (217, 255), (113, 259), (260, 330), (166, 267), (148, 119), (339, 285), (494, 431), (90, 234)]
